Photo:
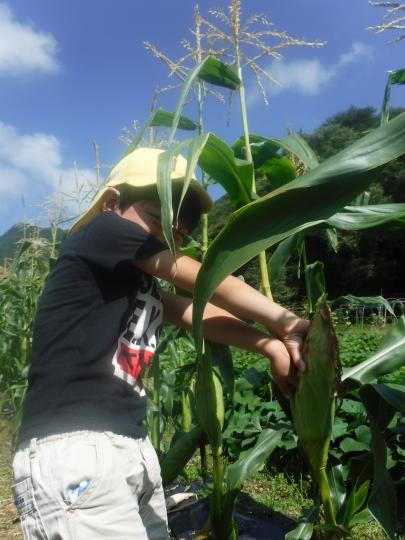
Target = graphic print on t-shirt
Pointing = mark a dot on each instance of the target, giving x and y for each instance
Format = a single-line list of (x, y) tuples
[(137, 344)]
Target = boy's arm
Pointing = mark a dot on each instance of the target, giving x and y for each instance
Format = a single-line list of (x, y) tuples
[(235, 297), (223, 327)]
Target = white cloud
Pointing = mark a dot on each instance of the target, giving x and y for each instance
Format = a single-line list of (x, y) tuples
[(305, 76), (309, 77), (24, 49), (31, 165), (359, 52)]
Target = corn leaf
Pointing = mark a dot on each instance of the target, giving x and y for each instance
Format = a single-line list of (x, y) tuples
[(165, 119), (215, 72), (381, 402), (397, 77), (301, 204), (305, 528), (180, 454), (356, 500), (210, 70), (234, 175), (366, 301), (166, 161), (261, 148), (389, 357), (389, 218), (278, 171), (247, 465), (336, 480), (283, 253), (298, 146), (315, 280)]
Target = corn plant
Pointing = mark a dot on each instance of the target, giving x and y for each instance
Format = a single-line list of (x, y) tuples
[(327, 188)]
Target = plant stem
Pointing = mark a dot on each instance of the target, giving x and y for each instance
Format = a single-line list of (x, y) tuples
[(323, 484), (217, 495), (198, 59), (307, 282), (264, 273)]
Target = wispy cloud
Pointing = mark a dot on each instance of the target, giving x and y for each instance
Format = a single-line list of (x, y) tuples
[(309, 77), (32, 163), (24, 49)]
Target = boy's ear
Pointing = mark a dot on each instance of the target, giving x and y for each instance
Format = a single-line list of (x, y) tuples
[(111, 200)]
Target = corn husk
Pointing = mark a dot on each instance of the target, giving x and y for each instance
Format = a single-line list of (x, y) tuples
[(210, 402), (313, 403)]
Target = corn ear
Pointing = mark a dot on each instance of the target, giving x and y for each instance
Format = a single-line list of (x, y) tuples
[(210, 402), (313, 403)]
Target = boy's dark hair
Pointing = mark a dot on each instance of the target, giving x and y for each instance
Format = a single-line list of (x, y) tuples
[(190, 211)]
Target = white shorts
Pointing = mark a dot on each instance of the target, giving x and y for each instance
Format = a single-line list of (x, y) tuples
[(87, 485)]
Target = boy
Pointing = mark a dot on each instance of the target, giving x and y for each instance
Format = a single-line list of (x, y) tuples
[(84, 467)]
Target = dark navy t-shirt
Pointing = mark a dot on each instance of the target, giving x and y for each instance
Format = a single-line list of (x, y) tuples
[(96, 328)]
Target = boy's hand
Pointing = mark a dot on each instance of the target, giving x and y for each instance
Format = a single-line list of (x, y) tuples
[(286, 356), (294, 339)]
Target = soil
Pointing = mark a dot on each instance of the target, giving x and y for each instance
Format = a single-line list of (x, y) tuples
[(9, 523)]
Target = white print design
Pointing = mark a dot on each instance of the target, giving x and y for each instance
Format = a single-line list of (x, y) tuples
[(137, 344)]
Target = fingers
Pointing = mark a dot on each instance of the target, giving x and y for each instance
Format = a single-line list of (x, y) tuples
[(294, 345)]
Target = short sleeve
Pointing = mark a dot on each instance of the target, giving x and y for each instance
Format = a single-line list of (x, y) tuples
[(109, 240)]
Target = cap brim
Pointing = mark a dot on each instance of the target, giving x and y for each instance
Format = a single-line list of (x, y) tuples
[(96, 207)]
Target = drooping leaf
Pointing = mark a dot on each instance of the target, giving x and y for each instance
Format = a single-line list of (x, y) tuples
[(378, 400), (361, 517), (215, 72), (283, 253), (234, 175), (305, 527), (303, 203), (180, 454), (298, 146), (261, 148), (389, 357), (165, 118), (337, 486), (397, 77), (366, 301), (245, 466), (210, 70), (278, 171), (383, 218), (315, 280), (166, 161), (355, 502), (333, 239)]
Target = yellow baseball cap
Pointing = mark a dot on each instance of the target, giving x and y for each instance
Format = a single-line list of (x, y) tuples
[(139, 169)]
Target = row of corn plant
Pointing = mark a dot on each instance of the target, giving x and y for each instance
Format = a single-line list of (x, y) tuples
[(21, 283)]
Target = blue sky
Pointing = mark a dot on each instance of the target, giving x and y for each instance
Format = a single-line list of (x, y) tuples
[(74, 70)]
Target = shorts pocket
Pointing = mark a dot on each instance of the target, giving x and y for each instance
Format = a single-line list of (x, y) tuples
[(75, 470)]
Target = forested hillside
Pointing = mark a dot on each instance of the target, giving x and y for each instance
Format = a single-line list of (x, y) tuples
[(365, 261)]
